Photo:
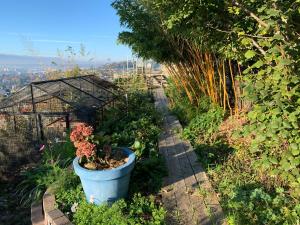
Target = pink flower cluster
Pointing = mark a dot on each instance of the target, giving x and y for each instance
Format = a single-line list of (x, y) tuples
[(80, 132), (79, 136), (85, 148)]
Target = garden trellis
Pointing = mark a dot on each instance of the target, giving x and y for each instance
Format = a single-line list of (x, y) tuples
[(52, 105)]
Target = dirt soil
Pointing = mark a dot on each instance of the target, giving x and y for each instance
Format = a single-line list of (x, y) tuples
[(115, 159), (11, 212)]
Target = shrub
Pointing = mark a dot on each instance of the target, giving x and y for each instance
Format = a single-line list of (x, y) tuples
[(62, 152), (137, 127), (66, 199), (249, 203), (50, 172), (147, 177), (146, 210), (87, 214), (204, 125), (212, 155), (141, 210), (36, 180)]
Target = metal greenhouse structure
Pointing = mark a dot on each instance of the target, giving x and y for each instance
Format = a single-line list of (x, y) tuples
[(46, 109)]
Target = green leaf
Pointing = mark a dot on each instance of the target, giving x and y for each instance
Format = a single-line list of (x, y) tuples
[(278, 37), (252, 115), (295, 149), (258, 64), (137, 145), (273, 160), (246, 41), (285, 62), (250, 54)]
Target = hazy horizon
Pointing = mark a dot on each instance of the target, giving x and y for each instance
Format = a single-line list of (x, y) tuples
[(41, 28)]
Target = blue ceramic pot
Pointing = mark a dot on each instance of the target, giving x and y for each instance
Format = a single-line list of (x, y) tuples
[(106, 186)]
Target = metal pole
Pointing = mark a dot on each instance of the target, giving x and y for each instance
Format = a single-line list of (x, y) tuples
[(41, 126), (67, 122), (127, 66), (34, 111), (126, 96), (102, 114), (136, 67), (14, 119)]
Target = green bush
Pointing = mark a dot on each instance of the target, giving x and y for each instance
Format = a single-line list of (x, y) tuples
[(141, 134), (212, 155), (147, 177), (180, 104), (38, 179), (68, 192), (246, 201), (50, 172), (204, 126), (256, 206), (87, 214), (141, 210), (135, 125), (63, 153), (145, 210)]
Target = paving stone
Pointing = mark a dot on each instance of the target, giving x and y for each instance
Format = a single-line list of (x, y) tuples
[(37, 217), (54, 214), (181, 192)]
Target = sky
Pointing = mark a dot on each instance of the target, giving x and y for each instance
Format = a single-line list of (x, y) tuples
[(42, 27)]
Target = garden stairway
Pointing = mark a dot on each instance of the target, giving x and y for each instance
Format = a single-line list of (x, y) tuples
[(187, 193)]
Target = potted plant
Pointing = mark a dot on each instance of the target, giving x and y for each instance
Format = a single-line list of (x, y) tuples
[(104, 171)]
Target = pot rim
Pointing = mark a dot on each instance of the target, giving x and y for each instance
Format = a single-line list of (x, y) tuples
[(131, 159)]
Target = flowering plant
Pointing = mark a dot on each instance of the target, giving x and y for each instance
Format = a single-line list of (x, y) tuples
[(92, 150), (81, 137)]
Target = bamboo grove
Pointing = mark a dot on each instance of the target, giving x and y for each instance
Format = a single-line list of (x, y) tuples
[(200, 71), (236, 53)]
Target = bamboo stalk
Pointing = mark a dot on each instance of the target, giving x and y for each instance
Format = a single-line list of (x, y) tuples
[(233, 88)]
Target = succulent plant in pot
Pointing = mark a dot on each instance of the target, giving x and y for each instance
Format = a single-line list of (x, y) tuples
[(104, 171)]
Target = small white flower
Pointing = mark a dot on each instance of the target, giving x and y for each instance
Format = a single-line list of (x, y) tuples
[(92, 199), (74, 207)]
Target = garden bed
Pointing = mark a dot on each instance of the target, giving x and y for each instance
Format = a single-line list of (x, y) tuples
[(136, 126)]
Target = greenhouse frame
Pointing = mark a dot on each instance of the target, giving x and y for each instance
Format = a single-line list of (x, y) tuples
[(62, 101)]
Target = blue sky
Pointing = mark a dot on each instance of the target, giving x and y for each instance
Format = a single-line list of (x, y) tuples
[(40, 27)]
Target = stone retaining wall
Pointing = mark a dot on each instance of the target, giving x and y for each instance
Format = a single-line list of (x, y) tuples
[(45, 212)]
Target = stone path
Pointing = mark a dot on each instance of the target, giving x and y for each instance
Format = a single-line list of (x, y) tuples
[(187, 193)]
